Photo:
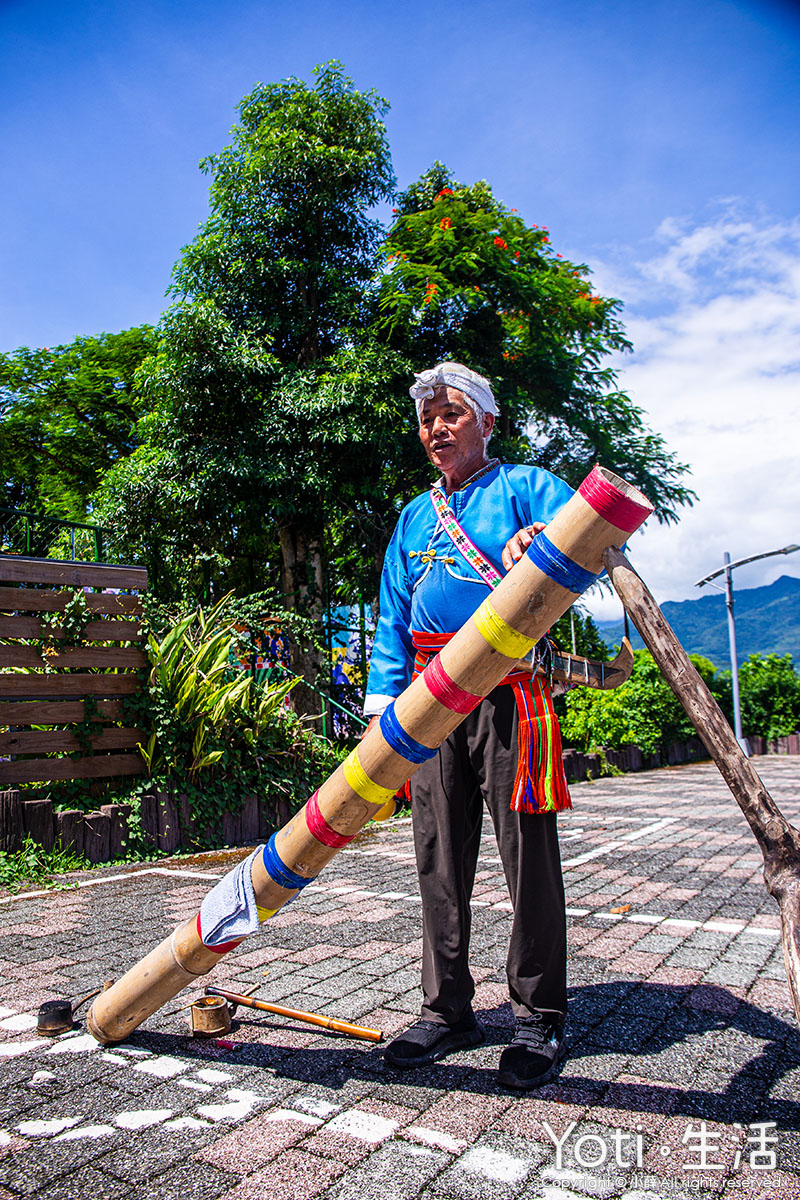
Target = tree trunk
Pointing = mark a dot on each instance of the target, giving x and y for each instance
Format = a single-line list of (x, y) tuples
[(303, 587)]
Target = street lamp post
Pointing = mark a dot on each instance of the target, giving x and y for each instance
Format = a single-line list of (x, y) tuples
[(727, 569)]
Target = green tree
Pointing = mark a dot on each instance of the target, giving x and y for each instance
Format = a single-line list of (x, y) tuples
[(769, 693), (259, 397), (588, 641), (66, 415)]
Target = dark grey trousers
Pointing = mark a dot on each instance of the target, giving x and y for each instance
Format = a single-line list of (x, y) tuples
[(478, 763)]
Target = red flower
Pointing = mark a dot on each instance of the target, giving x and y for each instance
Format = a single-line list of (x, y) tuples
[(446, 223), (498, 241), (444, 192), (516, 254)]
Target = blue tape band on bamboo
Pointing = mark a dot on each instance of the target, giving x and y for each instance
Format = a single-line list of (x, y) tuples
[(278, 871), (401, 742), (558, 567)]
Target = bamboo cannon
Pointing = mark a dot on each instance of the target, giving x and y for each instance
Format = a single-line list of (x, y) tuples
[(778, 840), (559, 565)]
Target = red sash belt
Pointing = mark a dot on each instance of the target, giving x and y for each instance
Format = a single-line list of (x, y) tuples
[(540, 784)]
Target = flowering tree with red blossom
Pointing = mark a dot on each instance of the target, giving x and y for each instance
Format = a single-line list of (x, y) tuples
[(467, 279)]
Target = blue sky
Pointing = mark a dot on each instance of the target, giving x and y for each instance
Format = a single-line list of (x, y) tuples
[(658, 142)]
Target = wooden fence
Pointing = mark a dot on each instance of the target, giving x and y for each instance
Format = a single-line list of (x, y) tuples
[(63, 700)]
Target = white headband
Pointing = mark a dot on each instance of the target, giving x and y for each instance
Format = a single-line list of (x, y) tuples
[(455, 375)]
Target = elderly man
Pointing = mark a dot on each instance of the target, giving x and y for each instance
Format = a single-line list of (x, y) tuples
[(449, 546)]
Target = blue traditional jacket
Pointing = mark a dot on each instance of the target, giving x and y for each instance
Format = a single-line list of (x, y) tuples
[(427, 585)]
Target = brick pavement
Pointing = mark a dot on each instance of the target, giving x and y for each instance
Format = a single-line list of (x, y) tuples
[(683, 1048)]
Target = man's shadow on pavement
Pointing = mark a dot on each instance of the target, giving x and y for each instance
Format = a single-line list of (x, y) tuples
[(693, 1051), (643, 1047)]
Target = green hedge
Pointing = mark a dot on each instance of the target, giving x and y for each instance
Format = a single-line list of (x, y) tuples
[(644, 712)]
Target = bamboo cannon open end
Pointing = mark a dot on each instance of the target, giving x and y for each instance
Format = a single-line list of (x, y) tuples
[(559, 565), (166, 970)]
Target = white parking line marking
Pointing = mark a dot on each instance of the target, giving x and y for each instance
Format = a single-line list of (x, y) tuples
[(619, 842), (495, 1164), (142, 1118), (240, 1104), (290, 1114), (432, 1137), (678, 922), (128, 878), (81, 1044), (19, 1023), (86, 1131), (164, 1066), (14, 1049), (46, 1128), (364, 1126)]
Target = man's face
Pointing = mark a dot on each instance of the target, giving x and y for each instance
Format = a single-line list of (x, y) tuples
[(452, 438)]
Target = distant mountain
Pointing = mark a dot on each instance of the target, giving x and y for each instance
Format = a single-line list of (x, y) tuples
[(767, 621)]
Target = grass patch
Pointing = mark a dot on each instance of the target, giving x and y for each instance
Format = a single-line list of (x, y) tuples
[(33, 865)]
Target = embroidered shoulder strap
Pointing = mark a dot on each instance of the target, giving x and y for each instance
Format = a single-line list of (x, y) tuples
[(462, 543)]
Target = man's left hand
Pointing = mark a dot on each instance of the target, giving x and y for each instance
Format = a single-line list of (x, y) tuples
[(516, 546)]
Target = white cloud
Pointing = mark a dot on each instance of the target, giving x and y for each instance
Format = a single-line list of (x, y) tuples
[(714, 315)]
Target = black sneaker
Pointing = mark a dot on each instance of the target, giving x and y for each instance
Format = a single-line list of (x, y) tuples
[(533, 1055), (428, 1041)]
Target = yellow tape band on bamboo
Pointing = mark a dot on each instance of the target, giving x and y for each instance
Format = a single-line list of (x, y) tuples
[(362, 785), (264, 914), (499, 634)]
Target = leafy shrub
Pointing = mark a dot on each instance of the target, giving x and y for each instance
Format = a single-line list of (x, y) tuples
[(214, 733), (643, 712), (34, 865)]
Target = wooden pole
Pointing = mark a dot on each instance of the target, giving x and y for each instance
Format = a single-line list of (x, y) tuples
[(297, 1014), (557, 567), (779, 841)]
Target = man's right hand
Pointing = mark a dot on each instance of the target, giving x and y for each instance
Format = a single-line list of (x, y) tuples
[(516, 546)]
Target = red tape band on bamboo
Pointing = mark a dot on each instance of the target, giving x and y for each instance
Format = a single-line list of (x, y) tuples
[(223, 947), (442, 688), (611, 504), (319, 828)]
